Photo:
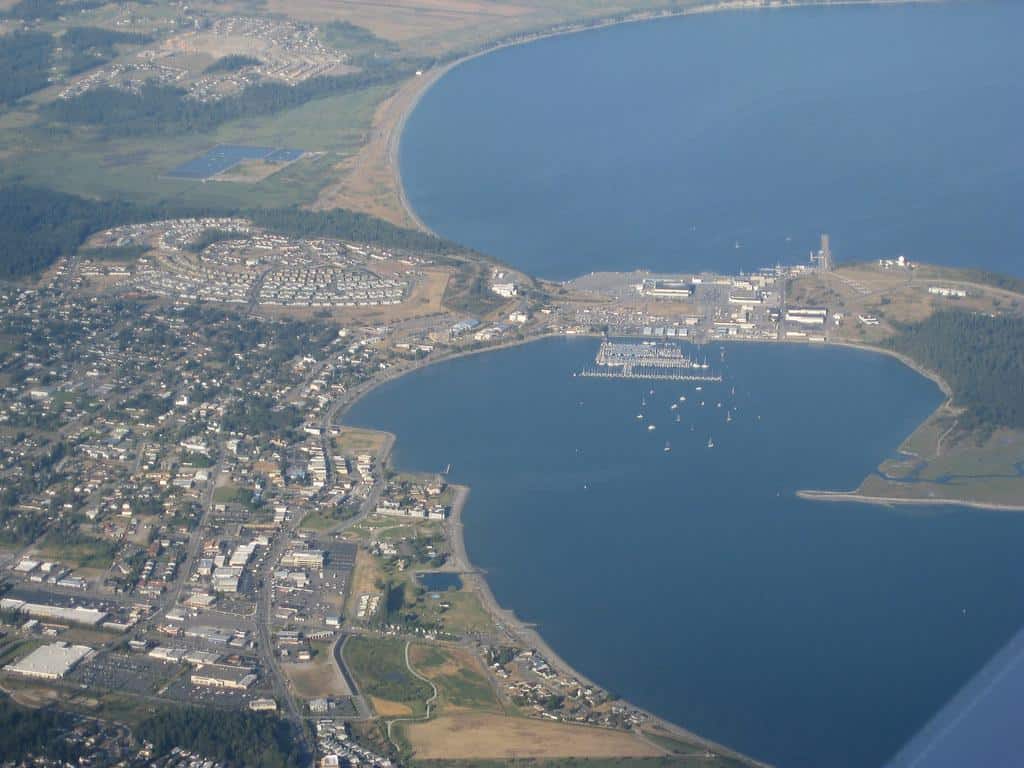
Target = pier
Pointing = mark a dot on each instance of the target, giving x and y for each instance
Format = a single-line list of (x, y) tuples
[(650, 361), (633, 372)]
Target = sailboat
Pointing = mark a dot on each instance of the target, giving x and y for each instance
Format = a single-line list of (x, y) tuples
[(668, 446), (678, 418), (711, 443)]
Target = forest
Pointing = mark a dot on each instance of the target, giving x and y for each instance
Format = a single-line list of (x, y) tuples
[(26, 58), (33, 732), (981, 357), (236, 738), (24, 64)]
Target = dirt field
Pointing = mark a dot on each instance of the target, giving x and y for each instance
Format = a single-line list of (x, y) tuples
[(317, 678), (485, 736), (386, 708), (364, 577)]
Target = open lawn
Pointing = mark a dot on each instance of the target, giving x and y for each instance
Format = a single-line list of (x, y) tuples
[(490, 736), (466, 614), (353, 441)]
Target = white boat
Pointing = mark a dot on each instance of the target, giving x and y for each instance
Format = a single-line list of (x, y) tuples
[(673, 406), (639, 415), (651, 427), (711, 443), (668, 446)]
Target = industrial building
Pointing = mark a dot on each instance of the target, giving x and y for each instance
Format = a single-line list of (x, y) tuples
[(807, 315), (222, 676), (50, 662), (667, 289), (89, 617)]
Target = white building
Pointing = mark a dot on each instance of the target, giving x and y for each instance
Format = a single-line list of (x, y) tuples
[(50, 662)]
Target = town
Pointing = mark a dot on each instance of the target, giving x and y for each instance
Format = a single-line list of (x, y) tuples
[(187, 522)]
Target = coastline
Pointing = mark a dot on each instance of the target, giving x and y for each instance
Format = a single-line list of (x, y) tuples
[(528, 634), (514, 627), (394, 127)]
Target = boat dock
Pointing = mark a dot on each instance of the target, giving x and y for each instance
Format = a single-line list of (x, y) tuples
[(651, 361), (636, 372)]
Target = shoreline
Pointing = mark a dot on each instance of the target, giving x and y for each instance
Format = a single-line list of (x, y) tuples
[(514, 627), (394, 129), (529, 634)]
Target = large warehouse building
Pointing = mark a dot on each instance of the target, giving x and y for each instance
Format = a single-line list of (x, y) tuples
[(50, 662)]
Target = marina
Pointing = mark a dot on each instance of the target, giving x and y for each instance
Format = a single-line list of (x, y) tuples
[(655, 375), (647, 361)]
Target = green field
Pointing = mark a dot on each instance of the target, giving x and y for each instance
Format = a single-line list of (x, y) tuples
[(80, 550), (79, 162), (379, 669), (457, 675)]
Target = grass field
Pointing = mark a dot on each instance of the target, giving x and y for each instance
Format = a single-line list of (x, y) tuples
[(986, 472), (459, 678), (378, 665), (466, 613), (76, 161), (81, 551), (318, 520), (353, 441), (466, 736)]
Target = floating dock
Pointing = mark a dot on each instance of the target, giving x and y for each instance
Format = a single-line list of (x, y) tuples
[(650, 361), (637, 372)]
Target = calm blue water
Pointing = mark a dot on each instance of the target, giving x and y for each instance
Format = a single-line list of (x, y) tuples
[(664, 144), (439, 582), (225, 156), (693, 582)]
